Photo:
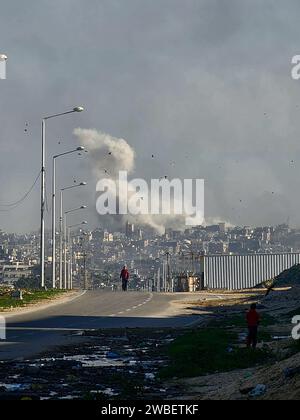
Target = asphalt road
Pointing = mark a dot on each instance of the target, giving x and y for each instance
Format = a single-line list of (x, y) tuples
[(33, 332)]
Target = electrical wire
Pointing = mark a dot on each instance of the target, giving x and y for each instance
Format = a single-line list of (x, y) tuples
[(16, 204)]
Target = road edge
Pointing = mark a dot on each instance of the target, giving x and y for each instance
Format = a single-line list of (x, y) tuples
[(41, 307)]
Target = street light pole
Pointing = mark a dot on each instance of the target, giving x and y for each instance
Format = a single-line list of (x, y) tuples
[(70, 279), (53, 224), (61, 242), (78, 149), (43, 193), (43, 190), (65, 252), (65, 241), (61, 232)]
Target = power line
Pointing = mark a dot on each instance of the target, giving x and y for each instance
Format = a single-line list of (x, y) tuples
[(16, 204)]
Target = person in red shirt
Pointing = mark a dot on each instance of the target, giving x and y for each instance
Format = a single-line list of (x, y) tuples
[(125, 277), (253, 321)]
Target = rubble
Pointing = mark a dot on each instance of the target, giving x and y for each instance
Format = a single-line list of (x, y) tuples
[(258, 391)]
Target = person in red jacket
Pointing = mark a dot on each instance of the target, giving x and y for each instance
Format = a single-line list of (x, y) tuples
[(253, 320), (125, 277)]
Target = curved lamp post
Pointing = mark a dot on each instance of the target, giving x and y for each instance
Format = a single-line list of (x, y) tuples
[(43, 188), (70, 276), (78, 149), (62, 229), (65, 241)]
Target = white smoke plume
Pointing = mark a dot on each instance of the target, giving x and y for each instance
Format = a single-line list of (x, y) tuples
[(110, 155)]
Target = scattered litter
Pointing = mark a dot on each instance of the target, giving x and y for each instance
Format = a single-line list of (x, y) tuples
[(150, 376), (109, 392), (53, 394), (258, 391), (78, 333), (281, 338), (15, 387), (243, 337), (112, 355)]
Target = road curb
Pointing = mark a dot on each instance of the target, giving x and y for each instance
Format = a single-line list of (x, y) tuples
[(40, 307)]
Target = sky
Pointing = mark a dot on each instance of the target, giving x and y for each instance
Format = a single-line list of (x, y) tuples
[(204, 85)]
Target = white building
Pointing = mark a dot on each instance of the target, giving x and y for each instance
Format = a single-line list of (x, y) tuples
[(12, 272)]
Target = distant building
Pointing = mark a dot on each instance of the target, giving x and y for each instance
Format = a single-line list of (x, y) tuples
[(235, 247), (222, 227), (129, 230), (97, 235), (216, 248), (252, 245), (213, 229), (10, 273), (108, 237)]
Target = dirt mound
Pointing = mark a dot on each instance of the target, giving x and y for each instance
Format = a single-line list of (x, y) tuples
[(280, 381), (290, 277)]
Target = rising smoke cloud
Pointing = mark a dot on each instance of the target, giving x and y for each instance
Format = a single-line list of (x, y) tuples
[(108, 156)]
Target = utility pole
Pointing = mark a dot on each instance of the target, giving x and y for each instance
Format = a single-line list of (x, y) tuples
[(84, 271), (84, 255), (158, 280), (192, 260), (168, 272)]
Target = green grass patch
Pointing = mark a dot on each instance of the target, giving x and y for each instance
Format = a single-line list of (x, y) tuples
[(29, 297), (206, 351), (240, 321)]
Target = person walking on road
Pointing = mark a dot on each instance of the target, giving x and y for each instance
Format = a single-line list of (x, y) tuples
[(253, 321), (125, 277)]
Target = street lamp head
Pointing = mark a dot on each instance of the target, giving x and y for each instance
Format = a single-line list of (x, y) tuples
[(82, 184), (80, 149), (84, 222), (83, 207), (3, 57), (78, 109)]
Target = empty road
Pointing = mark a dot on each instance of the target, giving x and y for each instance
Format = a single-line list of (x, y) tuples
[(33, 332)]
